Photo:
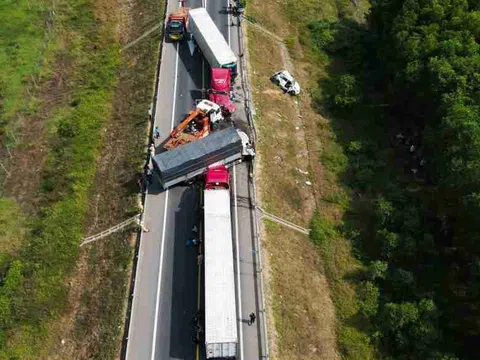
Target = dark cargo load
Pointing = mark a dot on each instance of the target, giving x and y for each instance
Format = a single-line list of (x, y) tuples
[(195, 156)]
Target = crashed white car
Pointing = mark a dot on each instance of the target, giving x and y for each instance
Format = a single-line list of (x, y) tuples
[(286, 81)]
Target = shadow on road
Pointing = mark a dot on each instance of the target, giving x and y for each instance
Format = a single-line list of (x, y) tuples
[(191, 64), (155, 187), (184, 284)]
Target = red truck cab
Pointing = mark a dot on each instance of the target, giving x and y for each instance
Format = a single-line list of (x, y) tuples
[(220, 88), (217, 177)]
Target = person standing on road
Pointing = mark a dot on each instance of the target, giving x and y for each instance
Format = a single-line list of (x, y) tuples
[(148, 173), (251, 319), (156, 133), (192, 242)]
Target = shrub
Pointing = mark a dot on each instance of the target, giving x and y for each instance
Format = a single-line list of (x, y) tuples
[(354, 344), (369, 295), (321, 230)]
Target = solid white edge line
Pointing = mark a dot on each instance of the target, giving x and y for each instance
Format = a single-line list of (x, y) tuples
[(238, 261), (137, 279), (160, 266)]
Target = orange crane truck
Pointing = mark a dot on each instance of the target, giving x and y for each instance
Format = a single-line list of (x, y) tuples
[(196, 125)]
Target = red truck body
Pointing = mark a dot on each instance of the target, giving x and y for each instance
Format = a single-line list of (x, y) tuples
[(217, 177), (220, 91)]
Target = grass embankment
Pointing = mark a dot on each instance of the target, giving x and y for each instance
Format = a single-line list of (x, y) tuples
[(21, 40), (59, 96), (306, 275), (104, 268)]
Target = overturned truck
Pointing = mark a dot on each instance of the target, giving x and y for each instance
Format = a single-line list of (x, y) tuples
[(193, 159)]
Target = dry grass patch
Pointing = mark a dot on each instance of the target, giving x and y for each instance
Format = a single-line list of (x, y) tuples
[(304, 316), (281, 145)]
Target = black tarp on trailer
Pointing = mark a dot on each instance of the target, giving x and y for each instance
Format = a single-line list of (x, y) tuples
[(199, 154)]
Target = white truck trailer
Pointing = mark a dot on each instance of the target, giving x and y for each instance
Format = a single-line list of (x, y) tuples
[(212, 43), (220, 309)]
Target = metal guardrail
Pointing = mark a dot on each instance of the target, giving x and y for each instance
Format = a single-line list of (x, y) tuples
[(284, 222), (144, 35), (111, 230)]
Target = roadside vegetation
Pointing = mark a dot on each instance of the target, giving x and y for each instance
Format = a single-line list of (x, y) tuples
[(70, 152), (311, 297), (410, 79), (394, 164)]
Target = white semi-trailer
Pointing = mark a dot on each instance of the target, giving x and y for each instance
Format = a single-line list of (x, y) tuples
[(212, 43), (220, 309)]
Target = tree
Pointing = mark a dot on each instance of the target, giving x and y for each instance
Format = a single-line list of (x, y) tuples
[(377, 270), (384, 210), (388, 242), (345, 91), (410, 328)]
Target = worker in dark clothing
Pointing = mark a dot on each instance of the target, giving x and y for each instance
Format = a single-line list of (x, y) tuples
[(148, 173), (252, 318), (192, 242), (142, 183), (156, 133)]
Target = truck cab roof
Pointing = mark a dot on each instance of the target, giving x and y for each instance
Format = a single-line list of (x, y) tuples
[(220, 84), (217, 176)]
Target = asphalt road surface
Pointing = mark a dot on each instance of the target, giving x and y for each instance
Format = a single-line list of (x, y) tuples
[(166, 282)]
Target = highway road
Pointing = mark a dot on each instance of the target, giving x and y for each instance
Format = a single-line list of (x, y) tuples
[(165, 292)]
